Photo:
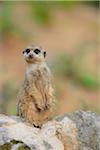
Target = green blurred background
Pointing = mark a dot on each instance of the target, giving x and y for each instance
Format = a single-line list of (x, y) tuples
[(69, 31)]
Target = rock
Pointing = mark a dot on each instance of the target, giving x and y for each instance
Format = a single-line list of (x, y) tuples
[(74, 131)]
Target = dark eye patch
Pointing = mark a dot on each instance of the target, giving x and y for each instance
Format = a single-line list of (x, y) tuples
[(27, 51), (37, 51)]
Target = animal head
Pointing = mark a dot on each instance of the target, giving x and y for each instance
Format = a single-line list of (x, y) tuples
[(34, 54)]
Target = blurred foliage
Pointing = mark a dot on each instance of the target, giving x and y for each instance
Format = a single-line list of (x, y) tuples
[(71, 66), (9, 92), (93, 3), (7, 25), (40, 11), (88, 80)]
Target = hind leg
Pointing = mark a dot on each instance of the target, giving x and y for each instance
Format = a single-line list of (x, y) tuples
[(28, 112), (46, 115), (32, 116)]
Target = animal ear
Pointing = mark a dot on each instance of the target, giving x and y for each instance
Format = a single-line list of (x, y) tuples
[(44, 54)]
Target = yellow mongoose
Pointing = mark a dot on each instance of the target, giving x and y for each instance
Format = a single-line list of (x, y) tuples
[(36, 101)]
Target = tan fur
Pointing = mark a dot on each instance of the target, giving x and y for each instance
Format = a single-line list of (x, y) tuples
[(36, 102)]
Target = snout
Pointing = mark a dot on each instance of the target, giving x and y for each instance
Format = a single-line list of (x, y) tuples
[(30, 56)]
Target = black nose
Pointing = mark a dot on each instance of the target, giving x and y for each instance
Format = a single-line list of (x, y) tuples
[(30, 56), (37, 51)]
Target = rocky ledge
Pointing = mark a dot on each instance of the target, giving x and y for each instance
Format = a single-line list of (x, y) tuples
[(74, 131)]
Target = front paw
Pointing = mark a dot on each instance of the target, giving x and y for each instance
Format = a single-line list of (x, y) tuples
[(43, 107), (40, 107)]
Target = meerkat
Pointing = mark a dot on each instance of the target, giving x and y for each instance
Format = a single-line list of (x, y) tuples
[(36, 101)]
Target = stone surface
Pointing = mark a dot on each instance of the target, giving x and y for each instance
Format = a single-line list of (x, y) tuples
[(74, 131)]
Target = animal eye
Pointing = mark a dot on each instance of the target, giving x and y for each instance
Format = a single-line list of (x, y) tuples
[(27, 51), (37, 51)]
